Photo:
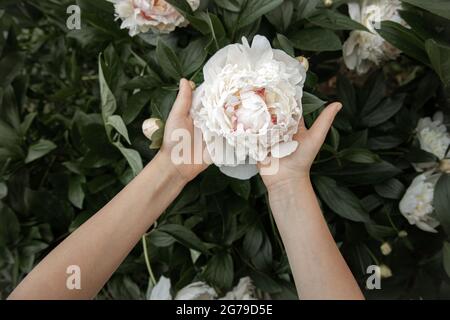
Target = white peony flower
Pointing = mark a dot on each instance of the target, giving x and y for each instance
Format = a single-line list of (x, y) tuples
[(142, 15), (417, 203), (364, 49), (433, 136), (249, 105), (245, 290), (161, 291), (196, 291)]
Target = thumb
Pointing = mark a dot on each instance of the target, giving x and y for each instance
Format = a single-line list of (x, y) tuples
[(183, 102), (322, 125)]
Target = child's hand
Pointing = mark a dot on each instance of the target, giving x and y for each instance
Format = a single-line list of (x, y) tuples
[(296, 167), (180, 118)]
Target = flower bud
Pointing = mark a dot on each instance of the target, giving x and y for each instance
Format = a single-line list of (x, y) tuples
[(386, 249), (153, 129), (328, 3), (402, 234), (444, 165), (385, 271), (192, 84), (304, 62)]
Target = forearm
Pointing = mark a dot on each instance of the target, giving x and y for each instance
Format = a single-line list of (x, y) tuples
[(100, 245), (319, 270)]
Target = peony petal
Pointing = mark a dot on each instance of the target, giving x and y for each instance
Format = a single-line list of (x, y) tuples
[(214, 65), (161, 291), (284, 149), (241, 172)]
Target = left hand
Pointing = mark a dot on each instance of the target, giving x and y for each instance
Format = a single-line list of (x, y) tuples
[(180, 118)]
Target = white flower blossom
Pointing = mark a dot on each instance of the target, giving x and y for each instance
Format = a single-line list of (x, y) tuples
[(433, 136), (196, 291), (144, 15), (417, 203), (245, 290), (364, 49), (250, 104)]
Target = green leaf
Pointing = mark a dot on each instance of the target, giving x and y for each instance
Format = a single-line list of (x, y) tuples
[(284, 44), (359, 155), (193, 56), (358, 174), (340, 200), (391, 189), (9, 225), (333, 20), (184, 236), (10, 67), (169, 61), (306, 8), (438, 7), (216, 31), (383, 112), (441, 201), (76, 193), (311, 103), (117, 123), (133, 158), (440, 60), (404, 39), (446, 257), (315, 39), (109, 104), (254, 9), (230, 5), (241, 188), (253, 240), (220, 271), (161, 239), (182, 6), (135, 104), (281, 16), (39, 150), (3, 190)]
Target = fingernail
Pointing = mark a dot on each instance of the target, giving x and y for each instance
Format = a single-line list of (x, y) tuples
[(192, 84), (338, 106)]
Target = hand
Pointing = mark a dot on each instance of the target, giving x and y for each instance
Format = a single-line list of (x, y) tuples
[(296, 167), (180, 118)]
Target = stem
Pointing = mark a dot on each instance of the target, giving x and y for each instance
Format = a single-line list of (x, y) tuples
[(147, 260)]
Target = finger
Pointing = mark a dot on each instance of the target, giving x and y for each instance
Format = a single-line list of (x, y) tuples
[(322, 125), (301, 129), (183, 102)]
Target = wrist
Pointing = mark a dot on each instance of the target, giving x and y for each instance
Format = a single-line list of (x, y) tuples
[(285, 185), (165, 164)]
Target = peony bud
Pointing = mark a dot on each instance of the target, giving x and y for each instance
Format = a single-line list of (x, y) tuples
[(304, 62), (402, 234), (153, 129), (192, 84), (385, 271), (444, 165), (386, 249), (328, 3)]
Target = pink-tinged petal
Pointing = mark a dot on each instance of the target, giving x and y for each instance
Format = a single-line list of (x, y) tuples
[(284, 149)]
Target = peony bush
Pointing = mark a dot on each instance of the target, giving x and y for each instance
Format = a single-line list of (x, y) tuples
[(83, 110)]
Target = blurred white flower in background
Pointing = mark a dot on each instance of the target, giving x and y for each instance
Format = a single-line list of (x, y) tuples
[(245, 290), (364, 49), (249, 105), (144, 15), (433, 136), (417, 203), (196, 291)]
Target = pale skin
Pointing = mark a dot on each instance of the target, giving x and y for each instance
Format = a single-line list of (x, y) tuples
[(100, 245)]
